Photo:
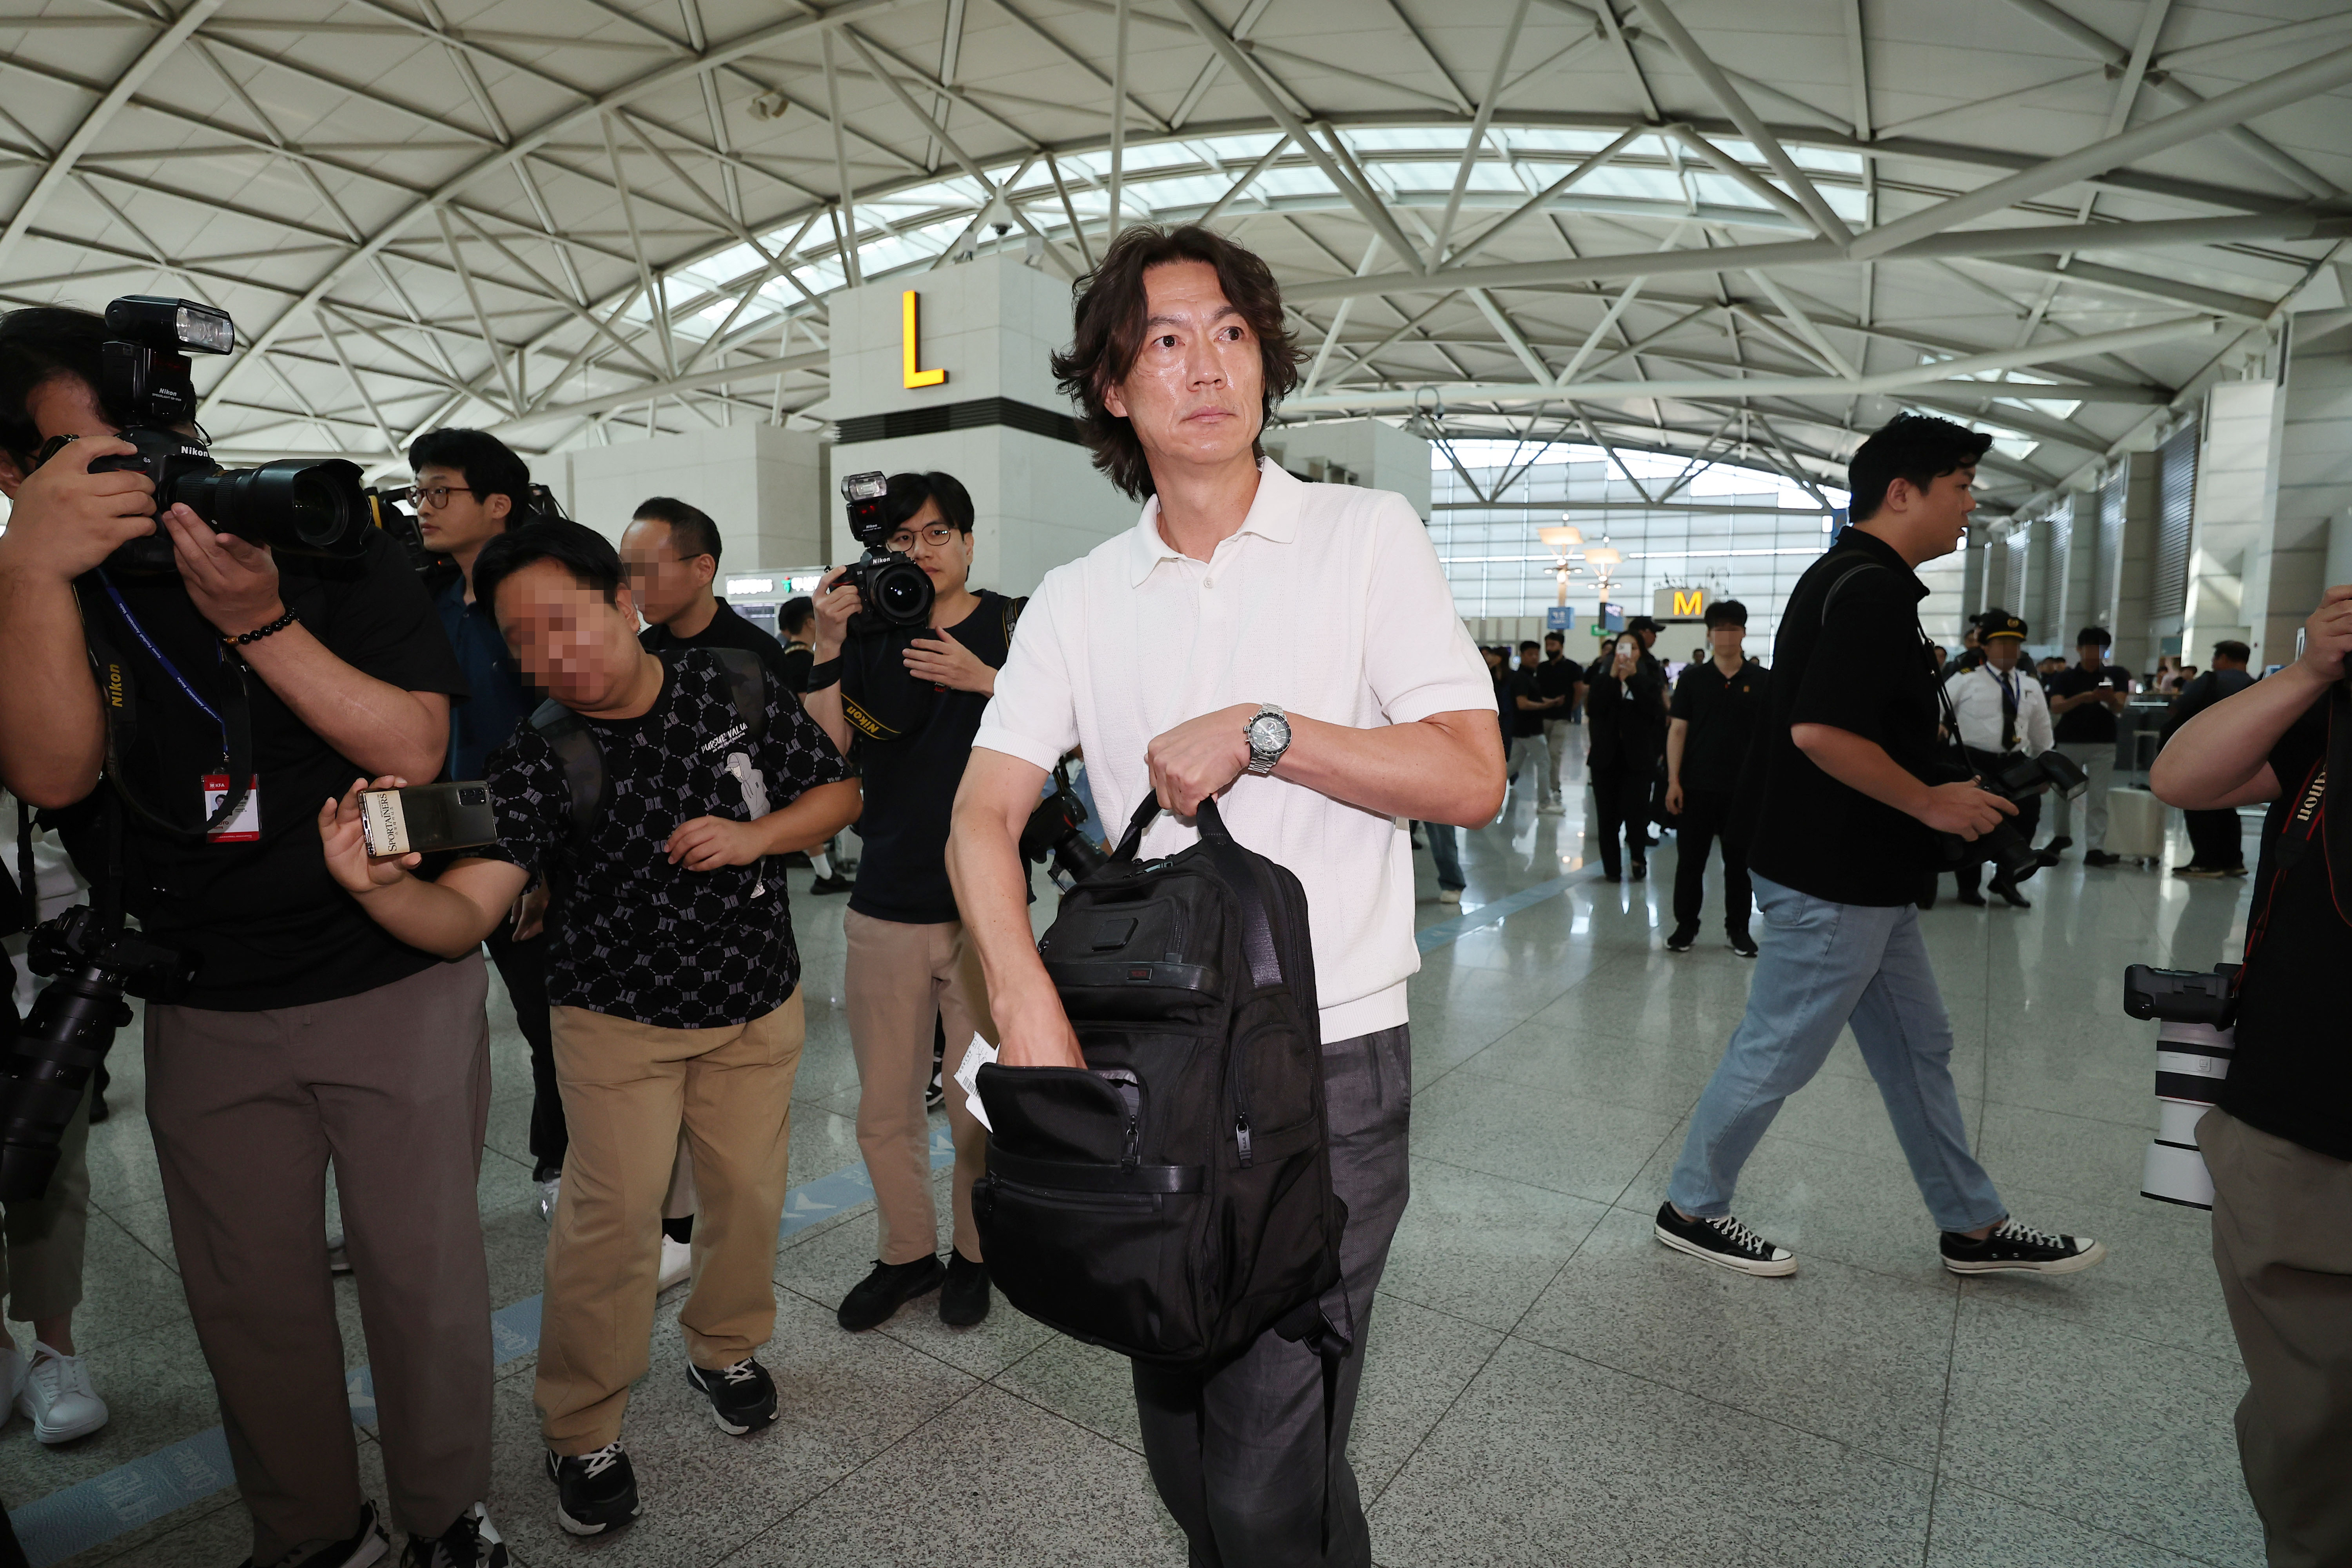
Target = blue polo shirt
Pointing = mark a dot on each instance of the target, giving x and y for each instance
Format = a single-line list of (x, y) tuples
[(480, 723)]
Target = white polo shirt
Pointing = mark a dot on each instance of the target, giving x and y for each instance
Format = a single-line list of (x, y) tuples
[(1329, 603), (1977, 700)]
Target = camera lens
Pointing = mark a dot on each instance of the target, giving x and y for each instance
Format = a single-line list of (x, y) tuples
[(312, 508), (473, 797), (904, 599)]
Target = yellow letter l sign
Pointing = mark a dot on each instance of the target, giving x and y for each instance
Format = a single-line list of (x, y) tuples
[(915, 377)]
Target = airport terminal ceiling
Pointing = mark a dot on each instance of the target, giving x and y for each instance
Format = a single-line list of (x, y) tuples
[(1742, 233)]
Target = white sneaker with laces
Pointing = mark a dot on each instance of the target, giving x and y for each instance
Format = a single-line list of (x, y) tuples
[(676, 1263), (59, 1397), (1449, 895)]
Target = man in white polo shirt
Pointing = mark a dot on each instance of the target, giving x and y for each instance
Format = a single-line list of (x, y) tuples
[(1293, 650)]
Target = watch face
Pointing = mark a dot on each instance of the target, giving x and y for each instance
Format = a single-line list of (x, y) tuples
[(1266, 732)]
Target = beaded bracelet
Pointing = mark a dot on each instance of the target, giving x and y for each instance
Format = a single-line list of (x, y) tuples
[(258, 632)]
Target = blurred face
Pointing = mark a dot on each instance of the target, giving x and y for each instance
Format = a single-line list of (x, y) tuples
[(1196, 392), (2001, 652), (2092, 656), (1551, 647), (1628, 657), (665, 584), (1494, 658), (942, 550), (453, 519), (1727, 640), (580, 649)]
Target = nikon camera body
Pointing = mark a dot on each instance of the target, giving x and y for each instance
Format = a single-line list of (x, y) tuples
[(2196, 1015)]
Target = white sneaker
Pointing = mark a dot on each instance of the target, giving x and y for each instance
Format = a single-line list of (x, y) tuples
[(59, 1397), (338, 1257), (1551, 809), (676, 1263), (1449, 895), (548, 1192)]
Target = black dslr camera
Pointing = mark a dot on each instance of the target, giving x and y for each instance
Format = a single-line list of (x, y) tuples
[(298, 506), (2004, 846), (1055, 834), (49, 1065), (894, 591)]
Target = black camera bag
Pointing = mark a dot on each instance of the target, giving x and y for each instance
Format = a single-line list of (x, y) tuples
[(1172, 1199)]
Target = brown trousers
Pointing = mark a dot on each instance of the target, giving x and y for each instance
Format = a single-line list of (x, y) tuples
[(2282, 1243), (898, 976), (628, 1088), (394, 1086)]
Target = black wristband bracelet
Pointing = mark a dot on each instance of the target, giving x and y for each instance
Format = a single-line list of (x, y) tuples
[(258, 632), (822, 676)]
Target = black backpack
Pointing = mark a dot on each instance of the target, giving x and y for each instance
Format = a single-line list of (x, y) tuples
[(1172, 1199)]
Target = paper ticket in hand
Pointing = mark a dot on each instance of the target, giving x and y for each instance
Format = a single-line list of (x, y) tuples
[(979, 1054)]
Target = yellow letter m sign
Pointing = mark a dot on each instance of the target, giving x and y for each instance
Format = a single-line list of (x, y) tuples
[(1690, 601)]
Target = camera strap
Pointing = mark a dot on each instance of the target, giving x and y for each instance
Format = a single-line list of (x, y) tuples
[(2310, 822), (117, 689)]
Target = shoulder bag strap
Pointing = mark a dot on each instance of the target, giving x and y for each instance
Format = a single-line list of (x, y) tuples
[(1257, 930), (747, 682), (580, 757)]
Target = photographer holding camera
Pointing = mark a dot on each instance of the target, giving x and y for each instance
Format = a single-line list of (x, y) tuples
[(308, 1033), (2278, 1142), (916, 693), (1844, 840), (2003, 718)]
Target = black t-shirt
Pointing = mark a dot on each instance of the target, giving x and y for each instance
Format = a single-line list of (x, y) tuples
[(641, 938), (911, 783), (1866, 670), (1556, 677), (271, 927), (729, 630), (1724, 713), (799, 660), (2093, 723), (1525, 683), (2293, 1073)]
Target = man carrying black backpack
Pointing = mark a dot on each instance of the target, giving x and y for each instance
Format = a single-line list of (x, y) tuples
[(1292, 651)]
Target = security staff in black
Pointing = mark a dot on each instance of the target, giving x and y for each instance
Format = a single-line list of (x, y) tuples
[(1717, 708)]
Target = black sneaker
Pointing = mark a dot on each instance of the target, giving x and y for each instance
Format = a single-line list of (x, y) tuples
[(1723, 1241), (1640, 870), (963, 1298), (471, 1543), (366, 1545), (2099, 857), (1740, 943), (2054, 852), (742, 1396), (1970, 897), (836, 883), (874, 1299), (594, 1492), (2009, 893), (1683, 937), (2014, 1249)]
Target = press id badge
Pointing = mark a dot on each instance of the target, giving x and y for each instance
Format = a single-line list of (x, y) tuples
[(244, 827)]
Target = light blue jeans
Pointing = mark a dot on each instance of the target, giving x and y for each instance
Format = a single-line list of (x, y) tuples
[(1823, 965), (1446, 850)]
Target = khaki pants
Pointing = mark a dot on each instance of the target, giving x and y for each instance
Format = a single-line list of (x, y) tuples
[(627, 1089), (393, 1085), (2282, 1243), (898, 977)]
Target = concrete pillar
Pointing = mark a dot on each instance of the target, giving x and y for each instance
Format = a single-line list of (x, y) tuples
[(2127, 559), (2314, 491), (991, 417), (2229, 577), (1366, 452), (760, 484)]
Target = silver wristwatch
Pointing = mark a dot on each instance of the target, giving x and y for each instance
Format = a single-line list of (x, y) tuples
[(1269, 736)]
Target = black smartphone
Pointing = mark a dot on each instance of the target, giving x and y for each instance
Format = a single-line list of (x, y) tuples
[(425, 817)]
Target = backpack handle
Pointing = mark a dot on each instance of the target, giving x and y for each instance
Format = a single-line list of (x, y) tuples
[(1212, 826), (1257, 929)]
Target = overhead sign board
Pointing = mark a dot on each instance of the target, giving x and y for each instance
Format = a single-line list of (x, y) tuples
[(1678, 603), (1559, 618)]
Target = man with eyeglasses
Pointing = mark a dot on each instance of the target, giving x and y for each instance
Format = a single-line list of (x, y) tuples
[(916, 699)]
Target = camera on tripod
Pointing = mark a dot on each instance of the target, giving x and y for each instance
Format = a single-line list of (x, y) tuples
[(1055, 834), (2196, 1039), (311, 506), (2012, 856), (896, 593), (47, 1070)]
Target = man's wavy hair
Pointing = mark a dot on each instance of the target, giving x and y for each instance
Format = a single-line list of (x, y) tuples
[(1109, 314)]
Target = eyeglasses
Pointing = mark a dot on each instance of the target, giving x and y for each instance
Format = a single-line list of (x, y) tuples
[(437, 497), (935, 535)]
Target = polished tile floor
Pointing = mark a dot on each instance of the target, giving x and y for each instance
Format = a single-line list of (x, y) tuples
[(1546, 1385)]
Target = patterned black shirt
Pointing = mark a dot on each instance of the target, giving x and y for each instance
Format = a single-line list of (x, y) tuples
[(641, 938)]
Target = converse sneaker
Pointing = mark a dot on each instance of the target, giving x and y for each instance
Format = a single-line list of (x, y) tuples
[(1723, 1241), (1684, 935), (364, 1547), (471, 1543), (2014, 1249), (890, 1286), (594, 1492), (742, 1396), (59, 1397), (1742, 942)]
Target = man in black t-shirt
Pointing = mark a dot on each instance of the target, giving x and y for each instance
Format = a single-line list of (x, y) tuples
[(1717, 708), (1532, 708), (914, 698), (2217, 840), (1843, 842), (670, 551), (2084, 699), (675, 982), (2278, 1142), (308, 1027)]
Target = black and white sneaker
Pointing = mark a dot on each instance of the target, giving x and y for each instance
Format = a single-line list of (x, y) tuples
[(1683, 939), (742, 1396), (471, 1543), (362, 1549), (1740, 943), (2014, 1249), (1723, 1241), (594, 1492)]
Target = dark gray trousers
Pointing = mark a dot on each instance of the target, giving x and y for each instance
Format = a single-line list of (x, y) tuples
[(1239, 1456)]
